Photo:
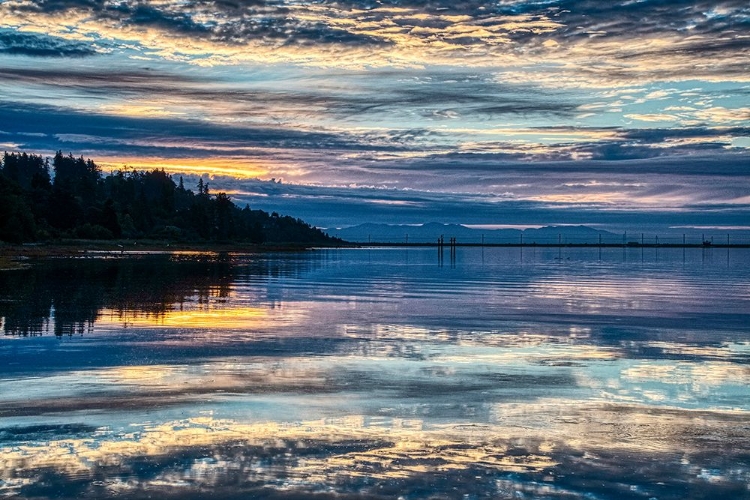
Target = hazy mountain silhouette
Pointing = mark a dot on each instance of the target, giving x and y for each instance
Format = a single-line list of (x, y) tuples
[(430, 232)]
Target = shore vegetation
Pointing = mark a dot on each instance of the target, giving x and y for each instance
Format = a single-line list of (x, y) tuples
[(70, 199)]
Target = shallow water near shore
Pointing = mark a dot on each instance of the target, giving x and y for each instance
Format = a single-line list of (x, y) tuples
[(378, 373)]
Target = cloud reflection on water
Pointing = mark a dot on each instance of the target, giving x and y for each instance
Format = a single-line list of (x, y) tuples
[(374, 374), (531, 447)]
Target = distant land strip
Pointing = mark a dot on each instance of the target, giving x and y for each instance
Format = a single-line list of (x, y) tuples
[(557, 245)]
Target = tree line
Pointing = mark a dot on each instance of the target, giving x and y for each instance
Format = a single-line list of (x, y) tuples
[(71, 198)]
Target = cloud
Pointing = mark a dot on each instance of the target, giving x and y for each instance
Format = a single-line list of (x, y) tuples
[(147, 15), (652, 117), (153, 131), (56, 6), (529, 61), (720, 114), (433, 95), (232, 23), (39, 45), (656, 135), (612, 41), (161, 132), (540, 196), (98, 79), (688, 115)]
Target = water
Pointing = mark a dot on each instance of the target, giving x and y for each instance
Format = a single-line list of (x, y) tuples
[(378, 373)]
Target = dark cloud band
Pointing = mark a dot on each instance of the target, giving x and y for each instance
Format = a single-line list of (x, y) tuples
[(38, 45)]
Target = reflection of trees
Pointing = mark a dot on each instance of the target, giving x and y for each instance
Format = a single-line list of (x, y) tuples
[(74, 291)]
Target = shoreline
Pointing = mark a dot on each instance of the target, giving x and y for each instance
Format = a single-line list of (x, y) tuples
[(20, 256), (75, 247)]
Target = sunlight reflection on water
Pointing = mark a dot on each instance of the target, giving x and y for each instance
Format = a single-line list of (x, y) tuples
[(378, 373)]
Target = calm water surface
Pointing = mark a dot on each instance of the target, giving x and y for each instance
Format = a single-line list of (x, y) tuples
[(378, 373)]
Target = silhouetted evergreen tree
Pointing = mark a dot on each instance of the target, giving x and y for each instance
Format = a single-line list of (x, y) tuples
[(26, 170), (16, 219), (109, 218)]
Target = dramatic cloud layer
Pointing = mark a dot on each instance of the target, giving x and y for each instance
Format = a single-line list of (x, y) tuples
[(399, 110), (36, 45)]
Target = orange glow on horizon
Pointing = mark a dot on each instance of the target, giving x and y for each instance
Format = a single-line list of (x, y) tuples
[(240, 168)]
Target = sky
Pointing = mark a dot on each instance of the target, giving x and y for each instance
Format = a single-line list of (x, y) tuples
[(617, 114)]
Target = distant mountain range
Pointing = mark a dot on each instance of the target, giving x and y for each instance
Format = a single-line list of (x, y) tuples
[(430, 232)]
